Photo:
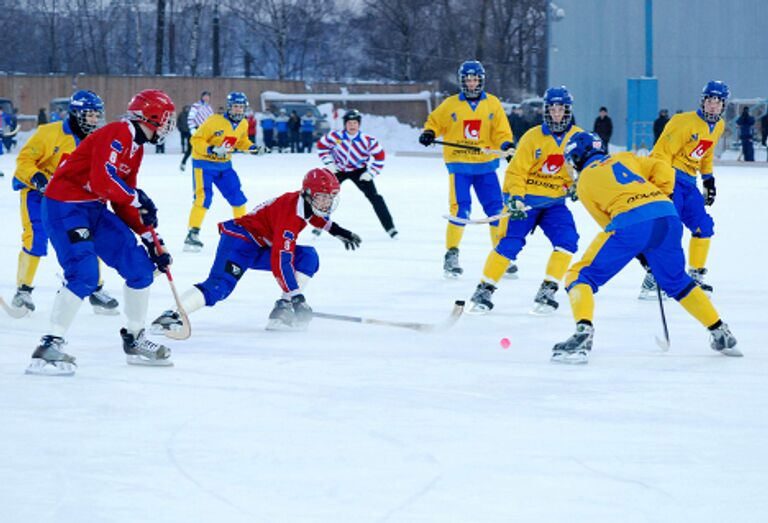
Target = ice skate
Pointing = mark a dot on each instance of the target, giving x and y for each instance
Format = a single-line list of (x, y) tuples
[(480, 302), (141, 351), (192, 243), (575, 350), (50, 360), (168, 321), (544, 302), (282, 317), (103, 303), (451, 268), (511, 272), (648, 290), (23, 298), (721, 340), (302, 312), (698, 277)]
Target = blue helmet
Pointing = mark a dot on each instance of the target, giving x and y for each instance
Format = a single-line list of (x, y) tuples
[(83, 104), (581, 147), (558, 96), (236, 98), (471, 68), (714, 89)]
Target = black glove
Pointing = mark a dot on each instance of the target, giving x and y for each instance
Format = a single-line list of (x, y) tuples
[(427, 137), (39, 181), (147, 209), (709, 190), (350, 240), (162, 259)]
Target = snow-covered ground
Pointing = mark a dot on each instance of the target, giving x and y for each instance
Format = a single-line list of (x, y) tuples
[(357, 423)]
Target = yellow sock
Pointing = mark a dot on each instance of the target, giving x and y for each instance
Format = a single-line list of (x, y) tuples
[(453, 236), (196, 216), (698, 250), (497, 233), (494, 230), (495, 267), (700, 307), (582, 302), (239, 211), (558, 264), (25, 274)]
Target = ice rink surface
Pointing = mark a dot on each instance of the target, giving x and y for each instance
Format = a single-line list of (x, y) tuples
[(358, 423)]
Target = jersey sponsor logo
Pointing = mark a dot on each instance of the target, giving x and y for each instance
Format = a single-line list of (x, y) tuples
[(553, 164), (229, 141), (701, 149), (472, 129)]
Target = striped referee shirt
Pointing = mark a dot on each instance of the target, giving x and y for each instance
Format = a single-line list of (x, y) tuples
[(349, 153), (199, 112)]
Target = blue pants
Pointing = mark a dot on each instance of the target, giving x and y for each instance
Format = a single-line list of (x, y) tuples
[(34, 240), (84, 231), (690, 206), (487, 189), (234, 256), (556, 222), (658, 239), (225, 179)]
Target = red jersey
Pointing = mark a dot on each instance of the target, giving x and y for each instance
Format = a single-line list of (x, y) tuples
[(103, 168), (277, 223)]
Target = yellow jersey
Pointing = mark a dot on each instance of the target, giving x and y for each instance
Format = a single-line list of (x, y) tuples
[(623, 189), (688, 143), (218, 130), (45, 149)]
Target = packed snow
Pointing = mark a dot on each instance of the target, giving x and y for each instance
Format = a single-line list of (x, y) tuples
[(349, 422)]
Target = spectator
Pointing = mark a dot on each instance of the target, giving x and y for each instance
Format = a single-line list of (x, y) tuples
[(200, 111), (307, 130), (294, 124), (42, 118), (10, 130), (268, 129), (3, 127), (659, 123), (281, 122), (182, 124), (518, 124), (603, 126), (746, 123), (764, 129), (251, 119)]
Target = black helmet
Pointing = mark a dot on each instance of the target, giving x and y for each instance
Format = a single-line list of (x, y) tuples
[(353, 114)]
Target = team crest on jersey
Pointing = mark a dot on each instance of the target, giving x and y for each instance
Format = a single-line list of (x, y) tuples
[(472, 129), (55, 149), (537, 154), (553, 164), (218, 133), (701, 149)]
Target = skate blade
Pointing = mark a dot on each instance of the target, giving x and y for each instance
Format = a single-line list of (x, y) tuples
[(278, 326), (103, 311), (41, 367), (577, 358), (733, 352), (477, 310), (510, 276), (447, 275), (136, 359), (192, 248), (541, 310), (651, 296)]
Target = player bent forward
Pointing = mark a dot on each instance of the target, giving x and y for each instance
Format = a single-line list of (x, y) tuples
[(265, 239), (629, 197)]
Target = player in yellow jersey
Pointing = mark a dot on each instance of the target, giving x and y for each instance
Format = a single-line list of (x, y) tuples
[(476, 119), (212, 146), (46, 148), (535, 186), (688, 144), (629, 196)]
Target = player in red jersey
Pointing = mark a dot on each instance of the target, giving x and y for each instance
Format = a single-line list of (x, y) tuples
[(81, 228), (265, 239)]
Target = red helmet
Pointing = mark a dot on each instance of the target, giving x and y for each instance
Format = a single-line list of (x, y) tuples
[(321, 190), (156, 109)]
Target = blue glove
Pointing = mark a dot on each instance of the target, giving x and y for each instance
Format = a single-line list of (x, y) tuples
[(516, 208), (147, 209), (39, 181), (161, 258)]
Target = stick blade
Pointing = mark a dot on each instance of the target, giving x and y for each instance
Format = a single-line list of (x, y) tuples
[(184, 332), (663, 344), (13, 312)]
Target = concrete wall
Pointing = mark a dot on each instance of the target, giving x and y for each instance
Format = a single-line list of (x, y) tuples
[(600, 43)]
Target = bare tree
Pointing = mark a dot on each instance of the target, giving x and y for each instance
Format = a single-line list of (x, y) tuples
[(197, 11), (159, 36)]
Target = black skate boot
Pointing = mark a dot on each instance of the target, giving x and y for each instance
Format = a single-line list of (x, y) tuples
[(721, 340), (451, 268), (544, 302), (480, 302), (192, 243), (168, 321), (141, 351), (23, 298), (103, 303), (302, 312), (511, 272), (575, 350), (50, 360), (282, 316), (648, 289), (698, 277)]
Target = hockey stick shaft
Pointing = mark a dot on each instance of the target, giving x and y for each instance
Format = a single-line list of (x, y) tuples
[(458, 308), (186, 330), (665, 344), (495, 217), (501, 154)]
